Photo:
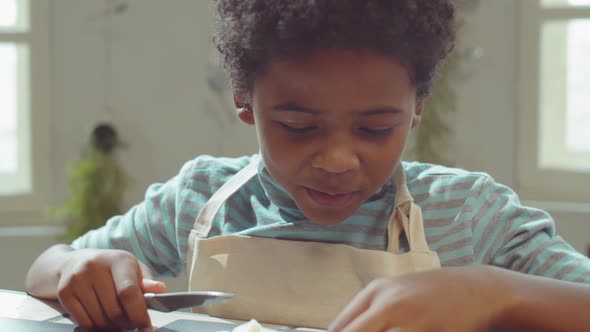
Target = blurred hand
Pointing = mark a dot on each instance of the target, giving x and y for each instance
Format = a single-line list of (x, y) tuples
[(450, 299), (104, 289)]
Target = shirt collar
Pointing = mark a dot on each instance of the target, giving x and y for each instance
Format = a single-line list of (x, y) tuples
[(285, 204)]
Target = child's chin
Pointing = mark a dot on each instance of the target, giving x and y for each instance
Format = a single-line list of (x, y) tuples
[(326, 218)]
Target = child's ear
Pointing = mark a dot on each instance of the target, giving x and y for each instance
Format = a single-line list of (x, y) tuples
[(244, 110), (246, 114), (417, 117)]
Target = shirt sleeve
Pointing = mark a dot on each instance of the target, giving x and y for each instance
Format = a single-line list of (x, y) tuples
[(510, 235), (149, 229)]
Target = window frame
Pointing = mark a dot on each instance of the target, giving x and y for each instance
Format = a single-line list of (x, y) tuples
[(533, 182), (29, 208)]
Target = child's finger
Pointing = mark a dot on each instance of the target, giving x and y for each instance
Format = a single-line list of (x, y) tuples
[(153, 286), (76, 311), (107, 297), (359, 304), (126, 278), (372, 319), (88, 298)]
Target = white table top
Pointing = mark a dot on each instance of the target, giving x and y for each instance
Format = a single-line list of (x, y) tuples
[(22, 306)]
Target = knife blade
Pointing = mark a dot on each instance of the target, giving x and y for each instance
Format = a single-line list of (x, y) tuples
[(167, 302)]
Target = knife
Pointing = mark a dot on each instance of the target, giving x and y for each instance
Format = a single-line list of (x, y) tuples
[(167, 302)]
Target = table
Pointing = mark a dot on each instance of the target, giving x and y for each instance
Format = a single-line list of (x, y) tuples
[(22, 306)]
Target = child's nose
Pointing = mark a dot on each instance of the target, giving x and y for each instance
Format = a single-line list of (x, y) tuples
[(336, 159)]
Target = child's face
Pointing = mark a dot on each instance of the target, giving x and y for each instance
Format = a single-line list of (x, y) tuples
[(332, 127)]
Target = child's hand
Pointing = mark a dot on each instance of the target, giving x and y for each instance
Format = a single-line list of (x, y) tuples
[(451, 299), (104, 289)]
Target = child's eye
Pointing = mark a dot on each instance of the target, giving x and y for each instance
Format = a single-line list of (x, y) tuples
[(376, 132), (297, 129)]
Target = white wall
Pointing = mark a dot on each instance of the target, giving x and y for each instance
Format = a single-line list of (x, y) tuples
[(485, 122), (159, 102), (164, 110)]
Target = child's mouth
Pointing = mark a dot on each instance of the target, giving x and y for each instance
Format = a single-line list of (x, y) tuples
[(330, 199)]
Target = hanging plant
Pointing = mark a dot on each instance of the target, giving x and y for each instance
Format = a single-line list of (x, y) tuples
[(96, 184)]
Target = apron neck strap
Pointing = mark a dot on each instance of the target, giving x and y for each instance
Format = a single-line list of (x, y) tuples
[(406, 217), (205, 218)]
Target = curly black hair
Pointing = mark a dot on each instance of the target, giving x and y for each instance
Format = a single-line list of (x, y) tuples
[(420, 33)]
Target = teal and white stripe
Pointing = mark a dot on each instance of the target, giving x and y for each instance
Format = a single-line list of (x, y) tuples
[(468, 219)]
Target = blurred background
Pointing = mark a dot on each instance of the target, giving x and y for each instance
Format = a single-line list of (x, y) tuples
[(515, 102)]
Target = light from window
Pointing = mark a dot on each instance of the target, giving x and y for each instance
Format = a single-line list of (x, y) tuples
[(8, 13), (8, 108), (15, 90), (565, 95), (578, 87), (554, 92), (565, 3)]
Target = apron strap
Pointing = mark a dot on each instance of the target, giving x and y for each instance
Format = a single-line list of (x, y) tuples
[(204, 220), (406, 217)]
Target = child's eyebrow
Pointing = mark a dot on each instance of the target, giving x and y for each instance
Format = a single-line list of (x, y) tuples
[(382, 110), (291, 107)]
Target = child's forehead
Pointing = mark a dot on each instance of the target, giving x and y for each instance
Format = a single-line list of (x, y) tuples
[(349, 76)]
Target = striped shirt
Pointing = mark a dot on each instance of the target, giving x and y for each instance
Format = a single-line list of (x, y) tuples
[(468, 219)]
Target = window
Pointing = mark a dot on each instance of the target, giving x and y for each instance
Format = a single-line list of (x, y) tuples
[(23, 104), (554, 113), (15, 158)]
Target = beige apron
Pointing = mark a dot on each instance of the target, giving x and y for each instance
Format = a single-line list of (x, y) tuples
[(297, 283)]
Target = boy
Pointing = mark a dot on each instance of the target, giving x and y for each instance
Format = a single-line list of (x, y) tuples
[(324, 227)]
